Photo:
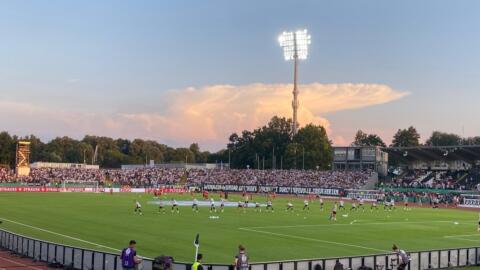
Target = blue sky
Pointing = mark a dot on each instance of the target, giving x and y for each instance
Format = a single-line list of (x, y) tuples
[(116, 63)]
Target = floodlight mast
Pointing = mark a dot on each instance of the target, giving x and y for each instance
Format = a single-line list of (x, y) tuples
[(295, 88), (295, 46)]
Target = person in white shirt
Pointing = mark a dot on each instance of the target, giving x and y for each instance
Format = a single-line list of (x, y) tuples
[(175, 206), (257, 207), (478, 227), (212, 205), (289, 207), (354, 207), (222, 205), (138, 208), (305, 205), (269, 206), (374, 206), (341, 205), (333, 215), (161, 207), (195, 205), (392, 204)]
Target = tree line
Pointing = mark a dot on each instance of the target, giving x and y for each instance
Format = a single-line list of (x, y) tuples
[(410, 137), (111, 153), (271, 146)]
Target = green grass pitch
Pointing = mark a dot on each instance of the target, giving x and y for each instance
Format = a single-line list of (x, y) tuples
[(107, 222)]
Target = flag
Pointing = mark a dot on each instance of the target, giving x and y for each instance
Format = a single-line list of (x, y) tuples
[(197, 241)]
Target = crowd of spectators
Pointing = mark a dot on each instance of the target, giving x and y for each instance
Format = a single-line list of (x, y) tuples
[(429, 179), (152, 177)]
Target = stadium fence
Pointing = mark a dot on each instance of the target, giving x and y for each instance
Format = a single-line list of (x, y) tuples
[(87, 259)]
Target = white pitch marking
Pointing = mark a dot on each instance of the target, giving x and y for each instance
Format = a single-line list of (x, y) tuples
[(312, 239), (461, 235), (59, 234), (357, 224), (464, 239)]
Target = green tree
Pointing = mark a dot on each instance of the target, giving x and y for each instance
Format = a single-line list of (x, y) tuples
[(406, 137), (364, 139), (471, 140), (7, 149), (443, 139), (311, 148)]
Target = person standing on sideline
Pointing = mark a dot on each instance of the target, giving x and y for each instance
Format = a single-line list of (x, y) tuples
[(241, 260), (129, 256), (478, 227), (402, 257), (197, 265)]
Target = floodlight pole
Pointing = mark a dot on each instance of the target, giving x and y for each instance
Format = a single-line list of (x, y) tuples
[(295, 89)]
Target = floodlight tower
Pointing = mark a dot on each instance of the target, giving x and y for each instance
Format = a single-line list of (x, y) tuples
[(295, 47)]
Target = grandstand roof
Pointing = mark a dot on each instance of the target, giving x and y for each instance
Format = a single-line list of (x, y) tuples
[(431, 153)]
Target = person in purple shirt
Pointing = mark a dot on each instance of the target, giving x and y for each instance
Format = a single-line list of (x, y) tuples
[(129, 256)]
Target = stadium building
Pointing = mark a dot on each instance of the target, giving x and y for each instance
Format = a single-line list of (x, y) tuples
[(360, 158)]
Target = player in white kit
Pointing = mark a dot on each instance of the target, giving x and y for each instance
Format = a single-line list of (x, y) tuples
[(289, 207), (269, 206), (138, 208), (305, 205), (341, 205), (212, 206), (175, 206), (195, 205)]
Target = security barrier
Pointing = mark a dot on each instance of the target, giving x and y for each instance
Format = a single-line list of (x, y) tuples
[(88, 259)]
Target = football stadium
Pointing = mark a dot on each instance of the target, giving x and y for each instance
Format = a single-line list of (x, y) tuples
[(173, 136)]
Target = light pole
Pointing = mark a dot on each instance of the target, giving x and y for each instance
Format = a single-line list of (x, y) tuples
[(303, 158), (295, 47)]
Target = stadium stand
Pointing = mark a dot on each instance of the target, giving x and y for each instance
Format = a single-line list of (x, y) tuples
[(151, 177)]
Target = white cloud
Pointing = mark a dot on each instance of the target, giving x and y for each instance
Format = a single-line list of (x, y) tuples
[(206, 115)]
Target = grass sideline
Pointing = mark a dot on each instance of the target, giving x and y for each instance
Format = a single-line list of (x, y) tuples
[(106, 222)]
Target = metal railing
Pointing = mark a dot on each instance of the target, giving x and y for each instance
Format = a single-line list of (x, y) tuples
[(88, 259)]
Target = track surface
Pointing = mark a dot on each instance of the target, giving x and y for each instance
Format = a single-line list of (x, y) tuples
[(13, 262)]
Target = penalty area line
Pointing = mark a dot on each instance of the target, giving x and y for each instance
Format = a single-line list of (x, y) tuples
[(313, 239), (59, 234)]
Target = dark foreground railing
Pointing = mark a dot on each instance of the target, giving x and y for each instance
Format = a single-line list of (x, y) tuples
[(87, 259)]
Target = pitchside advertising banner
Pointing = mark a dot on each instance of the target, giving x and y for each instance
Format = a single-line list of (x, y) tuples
[(44, 189), (89, 189), (276, 189)]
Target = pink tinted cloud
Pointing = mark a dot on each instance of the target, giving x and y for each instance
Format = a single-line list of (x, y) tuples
[(207, 115)]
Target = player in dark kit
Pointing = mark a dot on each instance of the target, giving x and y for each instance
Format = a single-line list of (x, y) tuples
[(241, 260)]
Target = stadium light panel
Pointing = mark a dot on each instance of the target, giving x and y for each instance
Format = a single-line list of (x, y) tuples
[(295, 44)]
